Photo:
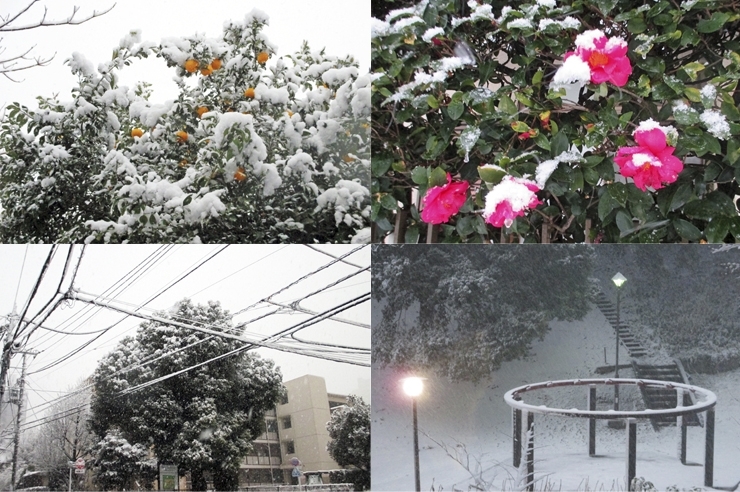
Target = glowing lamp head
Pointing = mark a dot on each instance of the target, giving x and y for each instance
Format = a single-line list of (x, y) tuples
[(618, 279), (413, 386)]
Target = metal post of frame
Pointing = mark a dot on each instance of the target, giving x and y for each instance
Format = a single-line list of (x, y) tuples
[(592, 421), (709, 450), (516, 420), (631, 451), (530, 451), (681, 426)]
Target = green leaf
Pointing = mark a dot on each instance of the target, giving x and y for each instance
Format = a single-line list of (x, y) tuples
[(652, 64), (689, 37), (537, 77), (686, 230), (465, 225), (692, 69), (491, 174), (524, 99), (399, 166), (636, 25), (380, 165), (618, 191), (680, 197), (624, 221), (606, 205), (520, 126), (712, 24), (717, 229), (420, 175), (143, 219), (388, 202), (559, 144), (606, 6), (730, 111), (455, 109), (506, 105), (438, 177), (432, 102), (713, 205), (712, 144), (692, 94), (733, 152), (735, 227), (412, 235)]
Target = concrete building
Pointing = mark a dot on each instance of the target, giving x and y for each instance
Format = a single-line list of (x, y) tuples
[(295, 429)]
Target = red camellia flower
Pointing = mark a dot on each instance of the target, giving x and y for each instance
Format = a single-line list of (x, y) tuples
[(606, 57), (652, 163), (510, 199), (442, 202)]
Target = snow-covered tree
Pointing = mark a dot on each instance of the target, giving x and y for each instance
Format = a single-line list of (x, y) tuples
[(256, 148), (462, 312), (203, 420), (117, 463), (349, 429), (65, 437)]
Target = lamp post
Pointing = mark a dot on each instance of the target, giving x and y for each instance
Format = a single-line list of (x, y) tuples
[(413, 387), (618, 280)]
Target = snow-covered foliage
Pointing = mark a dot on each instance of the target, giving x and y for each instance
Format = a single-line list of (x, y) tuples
[(204, 419), (349, 429), (698, 318), (462, 315), (117, 463), (217, 164)]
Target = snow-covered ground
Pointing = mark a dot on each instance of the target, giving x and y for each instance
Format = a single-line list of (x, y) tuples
[(465, 428)]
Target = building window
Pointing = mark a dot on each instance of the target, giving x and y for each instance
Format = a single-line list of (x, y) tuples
[(286, 423), (289, 447), (284, 398)]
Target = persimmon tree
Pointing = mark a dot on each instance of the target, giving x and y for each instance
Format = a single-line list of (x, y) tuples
[(556, 121), (256, 148)]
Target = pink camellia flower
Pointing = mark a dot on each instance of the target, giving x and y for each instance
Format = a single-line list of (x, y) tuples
[(652, 163), (510, 199), (442, 202), (607, 58)]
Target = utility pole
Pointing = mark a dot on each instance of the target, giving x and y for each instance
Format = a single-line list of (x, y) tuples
[(7, 348), (17, 437)]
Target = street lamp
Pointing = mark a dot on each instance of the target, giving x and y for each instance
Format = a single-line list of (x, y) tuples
[(618, 280), (413, 387)]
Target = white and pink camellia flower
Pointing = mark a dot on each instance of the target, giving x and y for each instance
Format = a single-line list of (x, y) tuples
[(604, 59), (652, 162), (510, 199)]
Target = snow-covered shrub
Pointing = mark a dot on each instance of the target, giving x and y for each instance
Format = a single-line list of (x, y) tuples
[(256, 148), (488, 91)]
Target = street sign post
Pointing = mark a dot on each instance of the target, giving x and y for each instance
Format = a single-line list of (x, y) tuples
[(79, 468), (168, 477)]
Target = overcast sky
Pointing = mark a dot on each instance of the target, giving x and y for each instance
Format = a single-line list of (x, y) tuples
[(341, 26), (237, 277)]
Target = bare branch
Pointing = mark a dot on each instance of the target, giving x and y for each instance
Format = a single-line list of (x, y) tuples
[(5, 27)]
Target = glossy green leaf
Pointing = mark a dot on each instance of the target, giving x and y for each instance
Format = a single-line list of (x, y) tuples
[(717, 229), (686, 229)]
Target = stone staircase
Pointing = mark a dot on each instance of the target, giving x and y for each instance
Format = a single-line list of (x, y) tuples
[(660, 398), (634, 349)]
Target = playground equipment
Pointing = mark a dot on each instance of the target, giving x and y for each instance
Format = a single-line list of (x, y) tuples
[(705, 401)]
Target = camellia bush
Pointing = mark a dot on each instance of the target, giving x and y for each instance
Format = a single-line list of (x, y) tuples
[(256, 148), (556, 121)]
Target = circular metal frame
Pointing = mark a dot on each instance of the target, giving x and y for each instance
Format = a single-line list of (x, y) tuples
[(710, 399)]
